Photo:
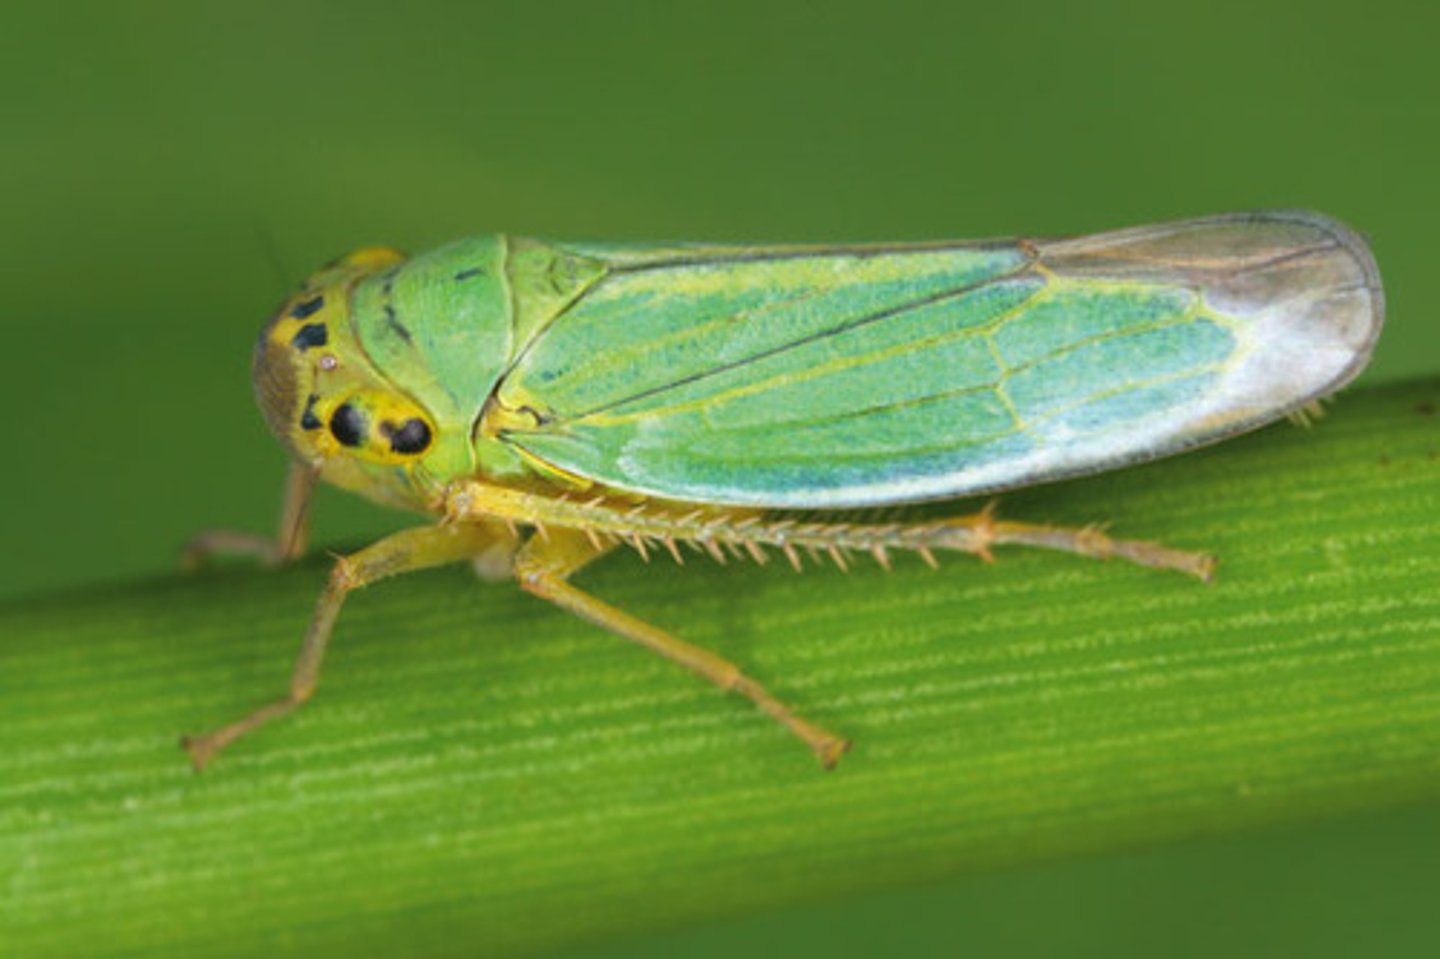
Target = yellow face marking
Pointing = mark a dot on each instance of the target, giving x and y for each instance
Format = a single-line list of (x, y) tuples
[(376, 426), (322, 396)]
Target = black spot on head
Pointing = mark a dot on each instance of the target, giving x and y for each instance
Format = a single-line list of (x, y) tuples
[(347, 424), (306, 307), (464, 275), (311, 334), (412, 437), (308, 419)]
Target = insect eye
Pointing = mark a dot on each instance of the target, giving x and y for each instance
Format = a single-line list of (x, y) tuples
[(411, 437), (347, 424)]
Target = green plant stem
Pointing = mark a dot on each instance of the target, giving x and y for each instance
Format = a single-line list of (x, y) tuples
[(481, 773)]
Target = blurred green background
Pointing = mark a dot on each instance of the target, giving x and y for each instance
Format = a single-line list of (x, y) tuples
[(171, 169)]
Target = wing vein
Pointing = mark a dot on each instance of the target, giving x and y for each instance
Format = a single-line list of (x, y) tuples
[(875, 317)]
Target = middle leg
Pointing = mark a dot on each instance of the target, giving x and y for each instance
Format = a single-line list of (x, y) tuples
[(543, 567)]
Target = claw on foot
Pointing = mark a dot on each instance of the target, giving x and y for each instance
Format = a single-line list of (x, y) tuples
[(829, 751), (200, 749)]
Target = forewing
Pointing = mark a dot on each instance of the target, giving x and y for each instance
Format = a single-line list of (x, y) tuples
[(859, 377)]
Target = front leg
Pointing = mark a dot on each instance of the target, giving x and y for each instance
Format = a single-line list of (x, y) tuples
[(401, 552), (543, 567), (288, 543)]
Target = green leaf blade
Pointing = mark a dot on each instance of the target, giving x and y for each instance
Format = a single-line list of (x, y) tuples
[(480, 773)]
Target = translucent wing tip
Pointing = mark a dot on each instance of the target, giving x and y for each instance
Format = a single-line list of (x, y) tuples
[(1337, 277), (1308, 283)]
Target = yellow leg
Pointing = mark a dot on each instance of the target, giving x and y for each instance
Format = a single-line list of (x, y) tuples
[(495, 560), (647, 526), (545, 563), (402, 552), (289, 541)]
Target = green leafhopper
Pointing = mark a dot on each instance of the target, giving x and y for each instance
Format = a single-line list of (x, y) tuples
[(543, 403)]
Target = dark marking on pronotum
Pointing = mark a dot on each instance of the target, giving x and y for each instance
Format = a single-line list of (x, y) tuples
[(347, 424), (1425, 409), (412, 437), (306, 307), (308, 419), (392, 321), (311, 334), (464, 275)]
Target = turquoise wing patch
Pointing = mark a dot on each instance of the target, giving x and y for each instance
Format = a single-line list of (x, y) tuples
[(835, 378)]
